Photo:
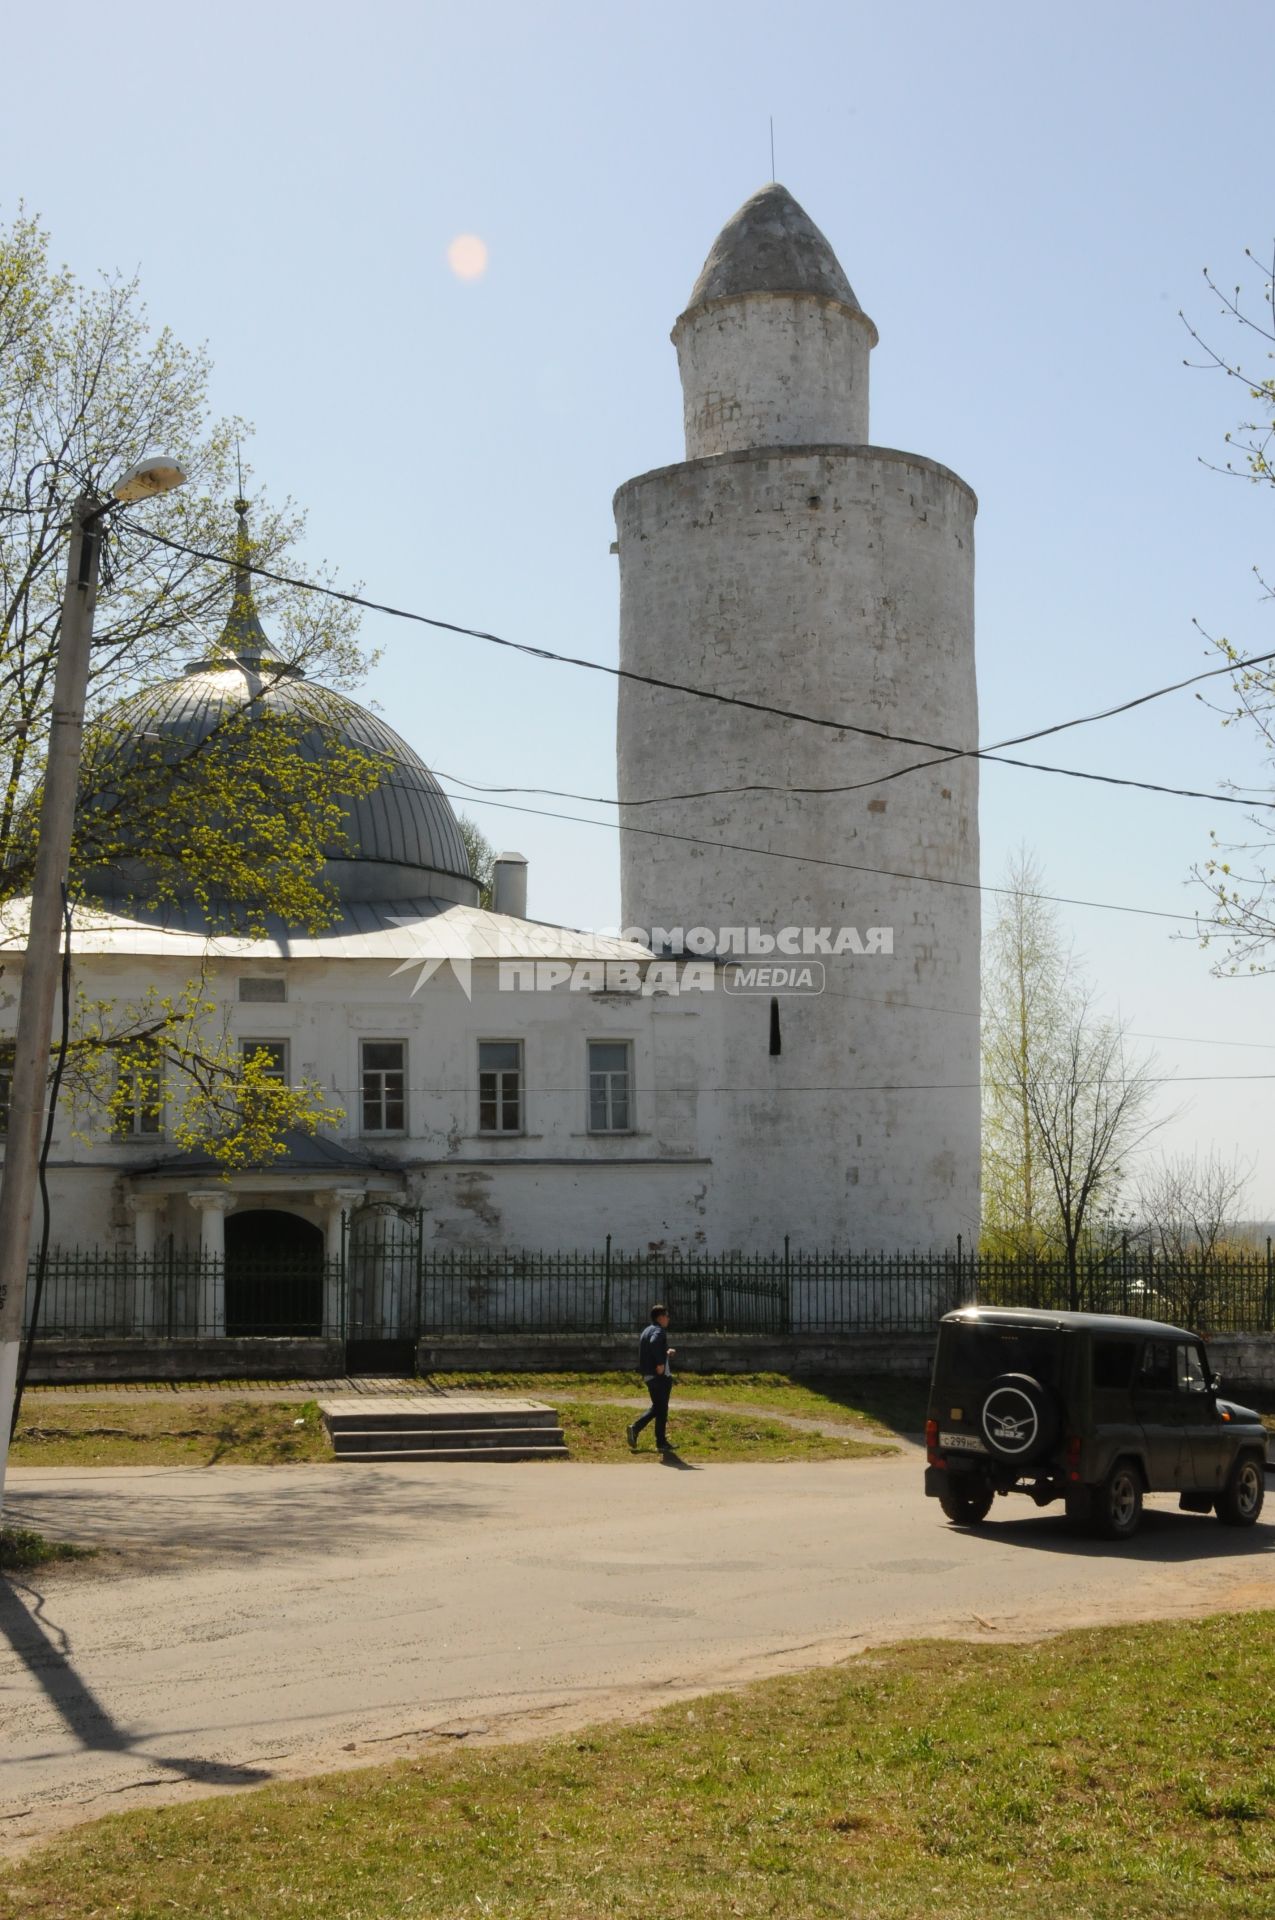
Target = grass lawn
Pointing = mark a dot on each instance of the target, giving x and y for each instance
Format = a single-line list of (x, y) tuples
[(22, 1548), (595, 1431), (186, 1432), (225, 1432), (1124, 1774), (877, 1401)]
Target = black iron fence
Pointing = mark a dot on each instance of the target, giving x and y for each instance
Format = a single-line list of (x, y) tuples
[(391, 1284), (95, 1292)]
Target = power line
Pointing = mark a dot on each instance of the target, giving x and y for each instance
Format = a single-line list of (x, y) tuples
[(779, 853), (765, 852), (807, 859), (845, 866), (1202, 1040), (945, 750), (856, 786), (920, 1086)]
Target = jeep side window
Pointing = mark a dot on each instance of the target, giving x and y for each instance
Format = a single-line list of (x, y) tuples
[(1158, 1373), (1191, 1376), (1113, 1364)]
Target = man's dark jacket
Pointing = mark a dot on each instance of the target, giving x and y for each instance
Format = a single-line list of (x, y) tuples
[(652, 1350)]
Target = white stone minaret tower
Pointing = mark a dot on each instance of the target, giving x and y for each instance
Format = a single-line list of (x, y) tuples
[(788, 562)]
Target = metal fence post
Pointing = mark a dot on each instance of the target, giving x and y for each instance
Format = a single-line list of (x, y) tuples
[(344, 1329), (419, 1305), (606, 1287)]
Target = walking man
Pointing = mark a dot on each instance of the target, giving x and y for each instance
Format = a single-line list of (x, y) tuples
[(654, 1356)]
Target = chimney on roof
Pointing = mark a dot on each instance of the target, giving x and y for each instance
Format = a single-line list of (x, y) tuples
[(509, 885)]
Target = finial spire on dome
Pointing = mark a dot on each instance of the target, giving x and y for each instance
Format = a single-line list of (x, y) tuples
[(243, 634), (771, 245)]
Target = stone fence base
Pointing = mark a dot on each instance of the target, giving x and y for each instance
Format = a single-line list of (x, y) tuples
[(906, 1354), (76, 1362), (1245, 1361)]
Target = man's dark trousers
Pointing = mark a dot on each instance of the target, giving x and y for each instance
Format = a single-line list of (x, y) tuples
[(659, 1386)]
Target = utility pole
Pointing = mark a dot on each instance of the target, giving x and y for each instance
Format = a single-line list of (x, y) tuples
[(41, 969)]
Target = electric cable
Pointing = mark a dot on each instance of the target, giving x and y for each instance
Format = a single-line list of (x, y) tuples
[(920, 1086), (944, 750), (846, 866)]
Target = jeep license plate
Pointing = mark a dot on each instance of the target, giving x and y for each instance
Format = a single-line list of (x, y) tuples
[(962, 1443)]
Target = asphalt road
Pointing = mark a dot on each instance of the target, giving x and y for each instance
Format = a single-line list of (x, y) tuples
[(264, 1622)]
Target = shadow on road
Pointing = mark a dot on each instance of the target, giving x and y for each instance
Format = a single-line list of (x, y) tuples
[(1165, 1537), (268, 1511), (46, 1652), (671, 1458)]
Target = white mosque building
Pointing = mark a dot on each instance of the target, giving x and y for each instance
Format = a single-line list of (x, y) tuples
[(809, 1066)]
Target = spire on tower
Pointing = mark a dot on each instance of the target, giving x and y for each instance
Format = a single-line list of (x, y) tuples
[(243, 634)]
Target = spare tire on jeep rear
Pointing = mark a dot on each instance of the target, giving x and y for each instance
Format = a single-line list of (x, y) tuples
[(1018, 1419)]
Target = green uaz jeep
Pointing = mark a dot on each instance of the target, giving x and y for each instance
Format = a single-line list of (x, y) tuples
[(1088, 1408)]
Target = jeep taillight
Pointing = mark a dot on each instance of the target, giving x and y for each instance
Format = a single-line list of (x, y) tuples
[(931, 1435), (1073, 1457)]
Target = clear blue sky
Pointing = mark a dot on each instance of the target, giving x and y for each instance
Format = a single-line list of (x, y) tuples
[(1022, 197)]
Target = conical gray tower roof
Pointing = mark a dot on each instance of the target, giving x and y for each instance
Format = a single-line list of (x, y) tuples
[(771, 246)]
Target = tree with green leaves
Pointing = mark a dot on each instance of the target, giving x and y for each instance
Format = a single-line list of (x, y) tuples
[(1239, 875), (1026, 974), (482, 856), (1066, 1105), (1090, 1100), (238, 820)]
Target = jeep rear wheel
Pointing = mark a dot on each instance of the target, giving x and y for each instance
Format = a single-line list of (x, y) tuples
[(1240, 1502), (1117, 1503), (967, 1502)]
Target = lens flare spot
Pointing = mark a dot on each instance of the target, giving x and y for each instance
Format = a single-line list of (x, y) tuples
[(467, 256)]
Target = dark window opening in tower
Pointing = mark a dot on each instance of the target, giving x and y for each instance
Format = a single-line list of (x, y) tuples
[(776, 1045)]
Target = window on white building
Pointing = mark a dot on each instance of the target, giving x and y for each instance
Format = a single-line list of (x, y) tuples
[(139, 1112), (500, 1086), (6, 1084), (383, 1072), (610, 1086), (272, 1056)]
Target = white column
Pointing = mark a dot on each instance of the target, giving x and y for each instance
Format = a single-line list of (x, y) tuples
[(144, 1208), (337, 1204), (212, 1209)]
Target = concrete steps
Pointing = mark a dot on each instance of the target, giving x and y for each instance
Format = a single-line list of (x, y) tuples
[(368, 1456), (441, 1427)]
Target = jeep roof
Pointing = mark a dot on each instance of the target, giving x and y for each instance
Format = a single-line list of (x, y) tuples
[(1049, 1319)]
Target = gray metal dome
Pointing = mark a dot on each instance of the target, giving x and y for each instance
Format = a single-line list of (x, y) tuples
[(399, 842), (402, 839)]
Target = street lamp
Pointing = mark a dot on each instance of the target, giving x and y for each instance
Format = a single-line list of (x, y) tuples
[(33, 1036)]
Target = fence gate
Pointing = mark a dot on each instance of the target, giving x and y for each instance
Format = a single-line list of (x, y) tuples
[(382, 1263)]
